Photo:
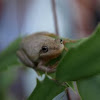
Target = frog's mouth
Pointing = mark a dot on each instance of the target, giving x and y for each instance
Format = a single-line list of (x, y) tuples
[(51, 55)]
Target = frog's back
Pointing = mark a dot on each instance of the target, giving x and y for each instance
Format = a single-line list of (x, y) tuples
[(35, 41), (32, 44)]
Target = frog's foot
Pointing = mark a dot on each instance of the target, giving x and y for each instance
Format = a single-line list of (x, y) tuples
[(55, 65), (46, 69), (66, 48), (68, 41)]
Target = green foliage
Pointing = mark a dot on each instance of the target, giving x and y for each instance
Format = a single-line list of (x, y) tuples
[(46, 90), (82, 60), (81, 64), (6, 79), (89, 88), (8, 61), (8, 56)]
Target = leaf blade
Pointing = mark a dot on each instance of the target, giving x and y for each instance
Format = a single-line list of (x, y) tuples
[(8, 56), (81, 61), (46, 90), (89, 88)]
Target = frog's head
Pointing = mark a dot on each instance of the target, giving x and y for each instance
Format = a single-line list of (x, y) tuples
[(52, 49)]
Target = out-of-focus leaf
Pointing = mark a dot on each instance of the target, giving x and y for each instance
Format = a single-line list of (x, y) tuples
[(46, 90), (8, 56), (6, 79), (81, 61), (89, 88)]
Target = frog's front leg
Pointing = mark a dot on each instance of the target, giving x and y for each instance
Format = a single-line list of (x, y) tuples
[(24, 58), (48, 69), (68, 41)]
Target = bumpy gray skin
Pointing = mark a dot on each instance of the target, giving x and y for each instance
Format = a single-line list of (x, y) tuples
[(30, 51)]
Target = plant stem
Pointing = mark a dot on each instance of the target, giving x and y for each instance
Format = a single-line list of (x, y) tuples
[(55, 16)]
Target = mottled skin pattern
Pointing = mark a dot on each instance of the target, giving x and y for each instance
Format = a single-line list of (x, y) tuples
[(32, 55)]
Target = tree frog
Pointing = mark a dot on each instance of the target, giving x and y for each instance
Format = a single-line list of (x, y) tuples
[(37, 49)]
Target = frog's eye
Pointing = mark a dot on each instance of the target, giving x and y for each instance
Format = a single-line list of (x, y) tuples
[(44, 49), (61, 41)]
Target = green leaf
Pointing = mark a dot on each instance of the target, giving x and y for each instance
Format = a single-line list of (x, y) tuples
[(71, 85), (89, 88), (82, 60), (8, 56), (46, 90), (6, 79)]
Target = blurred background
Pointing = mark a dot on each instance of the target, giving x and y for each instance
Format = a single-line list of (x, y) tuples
[(69, 18)]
